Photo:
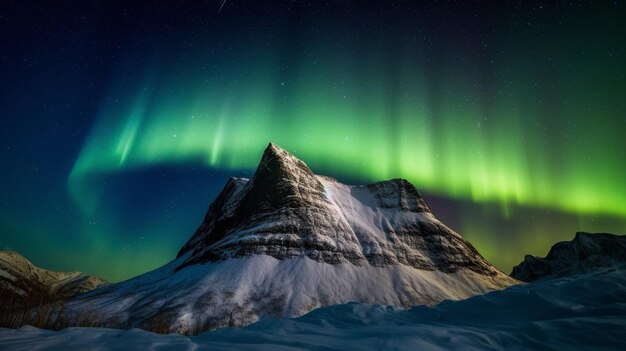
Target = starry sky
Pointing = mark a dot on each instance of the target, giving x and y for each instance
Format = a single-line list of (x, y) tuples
[(120, 121)]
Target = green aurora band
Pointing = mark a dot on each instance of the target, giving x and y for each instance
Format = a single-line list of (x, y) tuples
[(450, 143)]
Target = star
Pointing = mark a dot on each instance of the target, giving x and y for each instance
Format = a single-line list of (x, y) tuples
[(221, 6)]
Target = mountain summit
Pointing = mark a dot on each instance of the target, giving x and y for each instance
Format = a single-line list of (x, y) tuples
[(288, 241), (282, 212)]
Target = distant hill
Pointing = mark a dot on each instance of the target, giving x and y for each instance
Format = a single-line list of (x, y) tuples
[(21, 280), (584, 254)]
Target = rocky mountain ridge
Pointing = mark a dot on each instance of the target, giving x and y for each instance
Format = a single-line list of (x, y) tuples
[(586, 253)]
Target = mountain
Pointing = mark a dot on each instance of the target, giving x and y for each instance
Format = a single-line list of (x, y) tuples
[(288, 241), (286, 211), (20, 279), (585, 253)]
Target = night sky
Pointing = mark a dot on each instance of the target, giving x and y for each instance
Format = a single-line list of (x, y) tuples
[(120, 121)]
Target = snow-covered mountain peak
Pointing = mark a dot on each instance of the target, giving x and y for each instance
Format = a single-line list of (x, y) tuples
[(275, 157), (398, 193), (280, 176), (286, 211)]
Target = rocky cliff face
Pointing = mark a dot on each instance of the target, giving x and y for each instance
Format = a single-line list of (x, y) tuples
[(20, 279), (584, 254), (288, 241), (281, 212), (286, 211)]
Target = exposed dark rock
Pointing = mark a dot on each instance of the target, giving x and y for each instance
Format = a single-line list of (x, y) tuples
[(584, 254)]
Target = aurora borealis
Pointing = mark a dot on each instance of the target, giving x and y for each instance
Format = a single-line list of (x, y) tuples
[(121, 121)]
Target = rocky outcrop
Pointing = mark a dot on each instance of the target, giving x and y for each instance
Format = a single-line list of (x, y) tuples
[(282, 212), (584, 254)]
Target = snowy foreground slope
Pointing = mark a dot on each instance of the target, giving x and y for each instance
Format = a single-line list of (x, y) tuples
[(288, 241), (585, 312)]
